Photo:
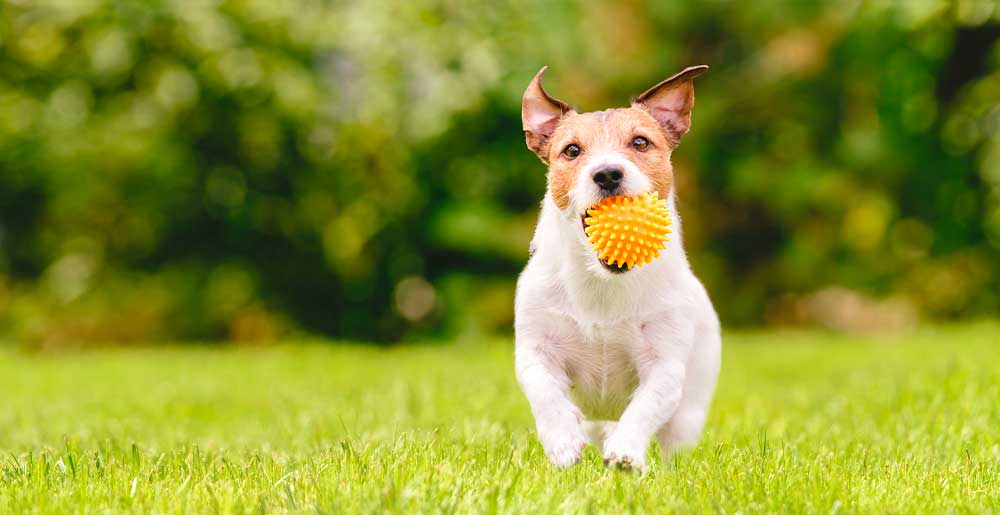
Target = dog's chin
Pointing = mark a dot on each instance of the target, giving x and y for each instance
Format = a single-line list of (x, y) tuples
[(614, 269)]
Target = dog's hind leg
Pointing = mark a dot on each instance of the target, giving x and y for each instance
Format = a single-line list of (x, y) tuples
[(682, 430)]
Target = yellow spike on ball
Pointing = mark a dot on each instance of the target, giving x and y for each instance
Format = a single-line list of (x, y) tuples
[(628, 231)]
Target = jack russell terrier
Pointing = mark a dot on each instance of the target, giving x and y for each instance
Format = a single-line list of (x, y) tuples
[(604, 353)]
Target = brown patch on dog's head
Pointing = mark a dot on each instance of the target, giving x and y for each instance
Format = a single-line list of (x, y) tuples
[(603, 131), (645, 133)]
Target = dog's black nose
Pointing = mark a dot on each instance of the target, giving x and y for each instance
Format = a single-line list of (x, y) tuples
[(609, 178)]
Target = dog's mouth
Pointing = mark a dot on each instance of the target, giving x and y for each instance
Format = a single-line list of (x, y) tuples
[(615, 269)]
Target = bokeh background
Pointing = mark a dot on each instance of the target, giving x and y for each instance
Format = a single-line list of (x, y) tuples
[(252, 170)]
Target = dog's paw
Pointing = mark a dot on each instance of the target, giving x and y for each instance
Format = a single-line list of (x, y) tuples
[(625, 453), (625, 463), (562, 437), (566, 452), (563, 442)]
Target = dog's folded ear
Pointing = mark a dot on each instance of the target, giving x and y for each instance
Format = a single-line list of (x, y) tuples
[(540, 114), (670, 101)]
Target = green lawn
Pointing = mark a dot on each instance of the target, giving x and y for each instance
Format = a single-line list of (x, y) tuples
[(803, 422)]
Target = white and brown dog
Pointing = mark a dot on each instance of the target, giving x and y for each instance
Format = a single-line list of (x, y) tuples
[(606, 354)]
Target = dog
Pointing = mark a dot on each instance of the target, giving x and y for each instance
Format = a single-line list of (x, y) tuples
[(607, 354)]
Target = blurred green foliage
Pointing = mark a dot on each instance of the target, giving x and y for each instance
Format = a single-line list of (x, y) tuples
[(247, 169)]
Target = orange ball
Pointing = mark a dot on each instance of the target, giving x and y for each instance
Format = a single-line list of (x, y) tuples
[(628, 231)]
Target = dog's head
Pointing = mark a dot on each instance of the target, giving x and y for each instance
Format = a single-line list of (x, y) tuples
[(621, 151)]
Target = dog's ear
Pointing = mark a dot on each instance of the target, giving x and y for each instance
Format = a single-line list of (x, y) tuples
[(670, 101), (540, 114)]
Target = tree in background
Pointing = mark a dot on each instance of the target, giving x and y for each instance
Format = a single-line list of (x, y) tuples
[(247, 169)]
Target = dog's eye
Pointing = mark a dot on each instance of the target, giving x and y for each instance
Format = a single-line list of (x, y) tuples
[(640, 143), (571, 151)]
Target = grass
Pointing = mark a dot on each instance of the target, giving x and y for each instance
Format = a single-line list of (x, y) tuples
[(803, 423)]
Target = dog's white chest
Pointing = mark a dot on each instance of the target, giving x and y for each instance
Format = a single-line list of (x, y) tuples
[(601, 366)]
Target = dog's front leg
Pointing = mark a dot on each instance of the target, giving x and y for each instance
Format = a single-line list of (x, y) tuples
[(546, 386), (666, 345)]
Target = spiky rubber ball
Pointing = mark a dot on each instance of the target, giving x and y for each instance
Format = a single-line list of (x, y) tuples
[(628, 231)]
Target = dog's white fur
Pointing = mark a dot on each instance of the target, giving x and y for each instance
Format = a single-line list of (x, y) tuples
[(593, 347)]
